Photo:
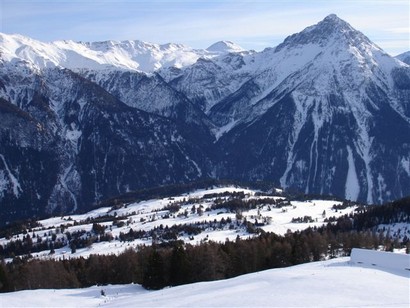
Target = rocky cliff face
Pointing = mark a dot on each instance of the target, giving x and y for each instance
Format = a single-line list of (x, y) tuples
[(325, 112)]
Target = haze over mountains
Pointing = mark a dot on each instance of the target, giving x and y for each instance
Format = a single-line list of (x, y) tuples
[(325, 112)]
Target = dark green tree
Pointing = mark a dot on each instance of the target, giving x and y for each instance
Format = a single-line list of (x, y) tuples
[(4, 279), (154, 276), (179, 271)]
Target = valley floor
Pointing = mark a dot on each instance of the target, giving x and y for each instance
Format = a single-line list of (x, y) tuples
[(332, 283)]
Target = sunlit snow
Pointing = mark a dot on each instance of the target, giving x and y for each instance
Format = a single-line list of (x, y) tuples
[(332, 283)]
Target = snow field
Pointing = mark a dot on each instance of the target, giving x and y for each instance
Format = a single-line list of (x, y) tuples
[(332, 283)]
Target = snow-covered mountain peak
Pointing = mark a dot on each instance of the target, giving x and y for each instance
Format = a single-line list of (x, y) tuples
[(334, 19), (331, 49), (328, 31), (224, 47)]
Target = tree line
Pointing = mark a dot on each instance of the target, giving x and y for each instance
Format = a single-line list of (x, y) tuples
[(176, 263)]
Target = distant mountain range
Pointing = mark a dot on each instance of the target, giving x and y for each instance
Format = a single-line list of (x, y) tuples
[(325, 112)]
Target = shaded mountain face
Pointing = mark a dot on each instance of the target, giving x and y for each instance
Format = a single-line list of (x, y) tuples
[(404, 57), (67, 144), (325, 112)]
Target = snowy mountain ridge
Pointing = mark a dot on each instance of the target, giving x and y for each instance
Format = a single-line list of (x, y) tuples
[(115, 55), (323, 50), (404, 57)]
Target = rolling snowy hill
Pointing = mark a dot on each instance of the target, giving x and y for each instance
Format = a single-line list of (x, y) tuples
[(333, 283), (215, 214)]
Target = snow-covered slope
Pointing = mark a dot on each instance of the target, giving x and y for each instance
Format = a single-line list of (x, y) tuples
[(198, 210), (333, 283)]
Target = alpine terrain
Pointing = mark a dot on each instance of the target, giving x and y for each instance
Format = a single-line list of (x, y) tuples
[(325, 112)]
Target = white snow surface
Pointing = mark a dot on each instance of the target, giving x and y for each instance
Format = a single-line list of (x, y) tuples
[(352, 183), (396, 262), (332, 283)]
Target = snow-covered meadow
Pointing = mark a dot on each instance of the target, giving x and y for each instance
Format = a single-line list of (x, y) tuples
[(333, 283), (147, 215)]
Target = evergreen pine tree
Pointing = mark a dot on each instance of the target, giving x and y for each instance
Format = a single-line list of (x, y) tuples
[(154, 274), (4, 280), (179, 267)]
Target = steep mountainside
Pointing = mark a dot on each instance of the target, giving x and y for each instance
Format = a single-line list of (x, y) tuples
[(151, 93), (76, 144), (327, 112), (332, 117)]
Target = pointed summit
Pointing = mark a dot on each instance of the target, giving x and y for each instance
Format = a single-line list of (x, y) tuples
[(332, 23), (333, 18), (331, 28)]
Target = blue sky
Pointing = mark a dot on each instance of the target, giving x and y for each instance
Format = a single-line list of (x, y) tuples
[(253, 24)]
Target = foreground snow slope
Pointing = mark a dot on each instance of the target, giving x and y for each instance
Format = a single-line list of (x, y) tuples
[(332, 283)]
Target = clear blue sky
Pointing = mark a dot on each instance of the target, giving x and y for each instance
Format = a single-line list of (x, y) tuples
[(253, 24)]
